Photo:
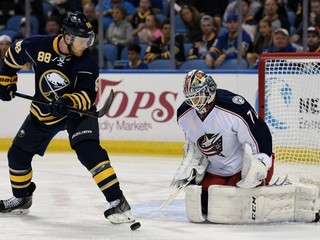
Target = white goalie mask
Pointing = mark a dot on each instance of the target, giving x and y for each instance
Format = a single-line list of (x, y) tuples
[(199, 90)]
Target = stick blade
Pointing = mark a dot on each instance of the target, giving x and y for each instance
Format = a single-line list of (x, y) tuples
[(106, 105)]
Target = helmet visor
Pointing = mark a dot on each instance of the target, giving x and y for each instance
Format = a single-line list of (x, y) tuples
[(84, 42)]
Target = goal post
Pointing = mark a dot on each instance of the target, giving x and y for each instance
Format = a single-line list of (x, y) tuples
[(289, 102)]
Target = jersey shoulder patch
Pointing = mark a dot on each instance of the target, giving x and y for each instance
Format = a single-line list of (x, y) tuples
[(230, 101)]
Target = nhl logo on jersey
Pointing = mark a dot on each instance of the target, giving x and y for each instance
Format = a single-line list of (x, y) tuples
[(238, 100), (21, 133)]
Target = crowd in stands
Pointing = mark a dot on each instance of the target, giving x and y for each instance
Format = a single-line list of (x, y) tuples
[(139, 31)]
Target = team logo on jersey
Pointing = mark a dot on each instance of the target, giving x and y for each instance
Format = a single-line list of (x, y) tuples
[(238, 100), (53, 83), (210, 144)]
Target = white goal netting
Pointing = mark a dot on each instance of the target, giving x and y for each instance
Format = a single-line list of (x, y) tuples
[(292, 112)]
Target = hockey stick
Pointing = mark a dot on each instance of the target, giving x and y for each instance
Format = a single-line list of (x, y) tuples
[(174, 195), (96, 114)]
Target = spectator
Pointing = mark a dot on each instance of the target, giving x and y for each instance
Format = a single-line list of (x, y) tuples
[(88, 9), (5, 42), (143, 11), (276, 13), (249, 24), (263, 40), (232, 7), (7, 10), (61, 7), (149, 31), (313, 40), (214, 8), (160, 47), (52, 25), (226, 45), (134, 56), (120, 30), (22, 32), (201, 46), (156, 5), (315, 13), (108, 7), (281, 43), (36, 11), (190, 16)]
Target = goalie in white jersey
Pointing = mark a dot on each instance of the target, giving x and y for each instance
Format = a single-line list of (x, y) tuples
[(217, 125)]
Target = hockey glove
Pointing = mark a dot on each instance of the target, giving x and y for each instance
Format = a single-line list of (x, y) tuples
[(194, 165), (57, 106), (8, 87)]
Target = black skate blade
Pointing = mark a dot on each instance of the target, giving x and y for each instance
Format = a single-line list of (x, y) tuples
[(15, 212)]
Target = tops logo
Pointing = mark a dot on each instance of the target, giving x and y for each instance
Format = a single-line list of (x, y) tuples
[(132, 105)]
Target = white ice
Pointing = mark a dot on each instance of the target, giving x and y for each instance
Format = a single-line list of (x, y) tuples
[(68, 205)]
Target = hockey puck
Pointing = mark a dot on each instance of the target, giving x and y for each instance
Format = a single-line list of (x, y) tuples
[(135, 226)]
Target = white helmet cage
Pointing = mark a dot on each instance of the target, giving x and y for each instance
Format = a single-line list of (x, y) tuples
[(199, 90)]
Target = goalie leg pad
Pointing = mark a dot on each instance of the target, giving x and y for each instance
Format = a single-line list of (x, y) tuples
[(193, 203), (233, 205), (306, 202)]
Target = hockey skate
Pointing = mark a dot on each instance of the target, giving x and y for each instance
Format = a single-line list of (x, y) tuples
[(118, 211), (18, 205)]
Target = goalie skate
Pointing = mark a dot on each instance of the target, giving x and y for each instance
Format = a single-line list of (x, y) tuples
[(119, 212), (15, 205)]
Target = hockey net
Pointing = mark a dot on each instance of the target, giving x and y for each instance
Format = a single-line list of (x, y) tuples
[(289, 102)]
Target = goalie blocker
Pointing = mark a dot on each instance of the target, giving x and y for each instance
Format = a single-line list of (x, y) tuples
[(288, 203)]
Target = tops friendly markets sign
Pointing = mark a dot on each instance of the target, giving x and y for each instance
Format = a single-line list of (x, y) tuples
[(144, 106)]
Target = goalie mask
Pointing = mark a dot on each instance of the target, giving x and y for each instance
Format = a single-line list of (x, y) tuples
[(199, 90), (79, 28)]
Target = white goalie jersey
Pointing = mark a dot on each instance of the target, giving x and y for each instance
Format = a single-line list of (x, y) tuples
[(222, 132)]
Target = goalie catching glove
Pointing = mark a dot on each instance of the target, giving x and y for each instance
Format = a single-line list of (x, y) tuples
[(8, 87), (194, 165)]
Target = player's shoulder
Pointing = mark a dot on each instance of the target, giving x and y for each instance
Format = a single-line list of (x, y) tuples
[(183, 108), (38, 39), (230, 101), (87, 60)]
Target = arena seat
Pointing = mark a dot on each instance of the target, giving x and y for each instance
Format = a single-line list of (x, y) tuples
[(110, 53), (233, 64), (194, 64), (13, 23), (160, 64)]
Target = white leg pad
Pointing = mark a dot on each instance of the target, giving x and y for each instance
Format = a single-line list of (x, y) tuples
[(193, 203), (262, 204), (306, 202)]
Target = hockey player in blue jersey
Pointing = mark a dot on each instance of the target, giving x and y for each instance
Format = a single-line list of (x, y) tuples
[(66, 74)]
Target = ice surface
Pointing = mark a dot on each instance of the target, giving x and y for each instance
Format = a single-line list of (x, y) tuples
[(68, 205)]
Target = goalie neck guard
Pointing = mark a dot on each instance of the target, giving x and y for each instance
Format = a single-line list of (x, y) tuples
[(199, 90)]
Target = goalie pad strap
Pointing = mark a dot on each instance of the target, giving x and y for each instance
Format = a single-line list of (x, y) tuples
[(298, 202), (6, 80)]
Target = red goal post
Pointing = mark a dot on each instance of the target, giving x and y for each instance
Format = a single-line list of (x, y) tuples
[(289, 102)]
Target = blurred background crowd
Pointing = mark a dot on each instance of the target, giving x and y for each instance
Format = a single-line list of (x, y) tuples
[(138, 34)]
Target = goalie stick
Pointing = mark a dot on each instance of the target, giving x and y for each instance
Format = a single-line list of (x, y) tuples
[(96, 114), (174, 194)]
